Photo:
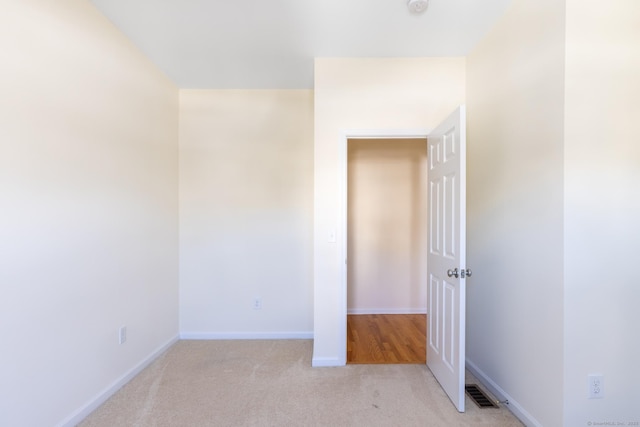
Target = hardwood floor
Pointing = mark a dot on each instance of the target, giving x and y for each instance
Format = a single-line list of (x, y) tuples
[(386, 338)]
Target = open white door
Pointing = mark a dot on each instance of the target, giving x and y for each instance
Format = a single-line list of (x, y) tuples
[(446, 269)]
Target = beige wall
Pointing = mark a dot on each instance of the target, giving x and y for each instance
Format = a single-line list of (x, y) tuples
[(351, 95), (602, 207), (515, 93), (246, 194), (88, 210), (386, 207)]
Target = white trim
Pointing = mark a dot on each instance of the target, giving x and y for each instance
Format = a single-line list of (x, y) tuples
[(246, 335), (327, 362), (345, 136), (513, 406), (81, 413), (386, 311), (385, 133)]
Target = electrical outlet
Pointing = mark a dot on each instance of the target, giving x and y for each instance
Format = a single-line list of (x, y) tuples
[(257, 303), (122, 335), (596, 386)]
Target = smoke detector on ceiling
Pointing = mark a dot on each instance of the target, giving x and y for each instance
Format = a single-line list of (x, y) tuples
[(417, 6)]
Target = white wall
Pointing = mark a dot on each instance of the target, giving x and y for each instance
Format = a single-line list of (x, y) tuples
[(515, 100), (602, 210), (386, 223), (246, 194), (363, 94), (88, 210)]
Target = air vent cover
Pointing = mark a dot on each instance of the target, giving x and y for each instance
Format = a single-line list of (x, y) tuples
[(479, 397)]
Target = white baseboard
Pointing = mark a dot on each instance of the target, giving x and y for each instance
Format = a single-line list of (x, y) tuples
[(102, 397), (387, 311), (246, 335), (513, 406), (327, 362)]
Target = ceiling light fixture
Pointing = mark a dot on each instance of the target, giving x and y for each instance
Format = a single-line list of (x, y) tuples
[(417, 6)]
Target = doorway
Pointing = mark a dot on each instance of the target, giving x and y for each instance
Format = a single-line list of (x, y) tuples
[(386, 202), (447, 269)]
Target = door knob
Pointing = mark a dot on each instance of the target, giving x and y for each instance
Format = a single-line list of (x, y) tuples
[(453, 273), (466, 273)]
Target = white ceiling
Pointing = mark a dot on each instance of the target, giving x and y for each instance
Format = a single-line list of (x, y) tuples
[(270, 44)]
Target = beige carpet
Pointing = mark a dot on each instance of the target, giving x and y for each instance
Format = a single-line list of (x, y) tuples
[(272, 383)]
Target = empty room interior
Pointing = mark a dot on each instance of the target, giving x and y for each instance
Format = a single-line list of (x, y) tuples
[(186, 173)]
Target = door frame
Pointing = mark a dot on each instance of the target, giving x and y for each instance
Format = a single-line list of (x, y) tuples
[(342, 220)]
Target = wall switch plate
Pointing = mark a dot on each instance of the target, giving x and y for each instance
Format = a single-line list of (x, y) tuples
[(122, 335), (257, 303), (596, 386)]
